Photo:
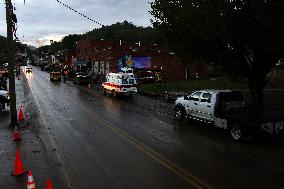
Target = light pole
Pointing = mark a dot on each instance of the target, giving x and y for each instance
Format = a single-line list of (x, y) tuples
[(11, 60)]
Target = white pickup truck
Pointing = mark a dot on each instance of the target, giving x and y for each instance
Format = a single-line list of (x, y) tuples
[(226, 109)]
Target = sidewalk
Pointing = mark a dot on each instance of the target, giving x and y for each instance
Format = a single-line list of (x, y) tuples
[(36, 153)]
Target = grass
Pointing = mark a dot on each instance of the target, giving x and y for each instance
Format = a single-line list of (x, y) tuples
[(191, 85)]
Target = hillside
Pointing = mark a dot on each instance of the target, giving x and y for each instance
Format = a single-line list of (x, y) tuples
[(125, 31)]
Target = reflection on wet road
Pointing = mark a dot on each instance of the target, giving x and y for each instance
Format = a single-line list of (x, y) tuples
[(116, 143)]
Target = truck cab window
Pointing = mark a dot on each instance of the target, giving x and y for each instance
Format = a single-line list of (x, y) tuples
[(206, 97), (195, 96)]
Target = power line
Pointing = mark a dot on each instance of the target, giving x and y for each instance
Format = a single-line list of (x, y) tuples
[(79, 13)]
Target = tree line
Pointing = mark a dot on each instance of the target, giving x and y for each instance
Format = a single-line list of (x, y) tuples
[(126, 31), (247, 37)]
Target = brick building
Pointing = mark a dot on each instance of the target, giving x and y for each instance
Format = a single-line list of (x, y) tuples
[(103, 56)]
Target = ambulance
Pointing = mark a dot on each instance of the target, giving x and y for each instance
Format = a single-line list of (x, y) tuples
[(123, 83)]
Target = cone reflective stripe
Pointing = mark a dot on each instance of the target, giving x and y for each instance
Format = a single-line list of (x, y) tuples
[(21, 115), (18, 165), (48, 184), (31, 182), (16, 134)]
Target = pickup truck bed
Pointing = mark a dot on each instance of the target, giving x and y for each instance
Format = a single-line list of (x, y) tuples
[(265, 119)]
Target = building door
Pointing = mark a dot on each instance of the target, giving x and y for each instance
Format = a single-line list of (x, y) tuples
[(102, 67), (107, 67), (96, 67)]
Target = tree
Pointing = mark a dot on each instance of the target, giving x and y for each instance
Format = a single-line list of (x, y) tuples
[(248, 34), (125, 31), (70, 41)]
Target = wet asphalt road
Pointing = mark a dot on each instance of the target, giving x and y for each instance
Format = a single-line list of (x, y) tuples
[(121, 143)]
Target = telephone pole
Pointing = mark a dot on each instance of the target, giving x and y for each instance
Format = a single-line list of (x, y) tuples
[(11, 61)]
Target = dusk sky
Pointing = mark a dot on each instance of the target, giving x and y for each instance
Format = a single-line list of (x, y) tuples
[(40, 21)]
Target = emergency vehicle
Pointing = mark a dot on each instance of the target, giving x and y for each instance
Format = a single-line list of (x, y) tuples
[(123, 82)]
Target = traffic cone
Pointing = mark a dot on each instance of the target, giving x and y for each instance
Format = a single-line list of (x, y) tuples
[(31, 182), (89, 86), (21, 115), (48, 184), (18, 165), (16, 135)]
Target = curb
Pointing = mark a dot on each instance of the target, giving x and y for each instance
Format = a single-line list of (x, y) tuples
[(170, 99)]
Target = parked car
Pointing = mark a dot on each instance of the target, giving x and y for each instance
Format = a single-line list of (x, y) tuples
[(46, 68), (29, 70), (4, 99), (226, 109), (82, 78)]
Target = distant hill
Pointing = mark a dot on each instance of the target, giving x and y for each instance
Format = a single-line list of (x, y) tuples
[(125, 31), (32, 48)]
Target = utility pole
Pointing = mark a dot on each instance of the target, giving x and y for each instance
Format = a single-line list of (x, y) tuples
[(11, 61)]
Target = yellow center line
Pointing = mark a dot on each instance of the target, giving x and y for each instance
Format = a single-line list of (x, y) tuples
[(188, 177)]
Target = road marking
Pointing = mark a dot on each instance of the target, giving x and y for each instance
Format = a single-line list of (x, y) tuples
[(188, 177)]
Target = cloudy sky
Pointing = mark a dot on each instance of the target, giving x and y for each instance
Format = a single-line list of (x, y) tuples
[(39, 21)]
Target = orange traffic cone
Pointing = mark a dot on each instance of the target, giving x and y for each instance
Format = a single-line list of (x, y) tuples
[(16, 135), (48, 184), (21, 115), (31, 182), (18, 165)]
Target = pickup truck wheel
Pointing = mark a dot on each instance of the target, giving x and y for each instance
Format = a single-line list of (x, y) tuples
[(179, 113), (236, 132)]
